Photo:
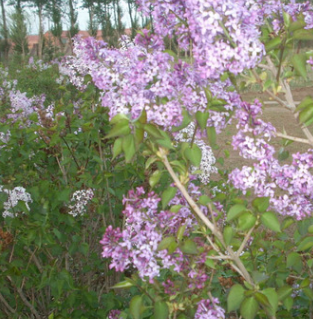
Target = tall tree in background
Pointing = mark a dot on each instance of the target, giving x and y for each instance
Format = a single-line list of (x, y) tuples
[(18, 32), (74, 28), (134, 21), (39, 6), (4, 30), (93, 23), (54, 12)]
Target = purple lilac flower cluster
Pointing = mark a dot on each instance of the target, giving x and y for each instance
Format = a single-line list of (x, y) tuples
[(145, 227), (21, 107), (136, 78), (114, 314), (209, 309), (290, 187), (223, 35)]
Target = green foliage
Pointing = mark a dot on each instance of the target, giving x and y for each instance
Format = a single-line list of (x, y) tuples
[(53, 258)]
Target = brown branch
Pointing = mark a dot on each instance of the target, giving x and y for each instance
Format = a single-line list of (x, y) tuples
[(24, 299), (293, 138), (2, 299), (239, 266)]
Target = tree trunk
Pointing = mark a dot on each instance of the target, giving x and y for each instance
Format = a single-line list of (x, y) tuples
[(5, 32), (40, 42)]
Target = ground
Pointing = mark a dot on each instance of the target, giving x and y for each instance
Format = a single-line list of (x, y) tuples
[(280, 117)]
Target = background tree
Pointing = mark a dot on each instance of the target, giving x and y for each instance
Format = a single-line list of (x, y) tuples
[(5, 46), (18, 32), (39, 6), (74, 28), (93, 24), (54, 12)]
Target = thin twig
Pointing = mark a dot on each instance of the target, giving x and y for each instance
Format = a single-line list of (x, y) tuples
[(24, 299), (71, 151), (2, 299), (62, 169), (243, 244), (33, 256), (293, 138)]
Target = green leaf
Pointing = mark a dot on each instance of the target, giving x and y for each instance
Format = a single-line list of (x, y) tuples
[(210, 263), (117, 147), (249, 308), (180, 232), (155, 177), (161, 310), (310, 229), (167, 195), (306, 115), (307, 101), (299, 63), (259, 276), (194, 155), (272, 297), (150, 161), (129, 148), (305, 244), (235, 211), (261, 299), (228, 234), (136, 307), (211, 134), (152, 131), (283, 154), (284, 292), (185, 123), (204, 200), (189, 247), (118, 118), (139, 135), (303, 35), (119, 129), (273, 44), (202, 119), (308, 292), (261, 204), (166, 242), (235, 297), (270, 220), (288, 221), (246, 221), (294, 260), (123, 284), (288, 303), (143, 117)]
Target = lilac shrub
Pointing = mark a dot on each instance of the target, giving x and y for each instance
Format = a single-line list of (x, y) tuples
[(152, 86)]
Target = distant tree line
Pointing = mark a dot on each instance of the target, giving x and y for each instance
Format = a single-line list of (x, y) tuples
[(105, 15)]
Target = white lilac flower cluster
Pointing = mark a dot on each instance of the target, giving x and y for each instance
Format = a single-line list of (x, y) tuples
[(14, 196), (208, 159), (38, 65), (79, 201)]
